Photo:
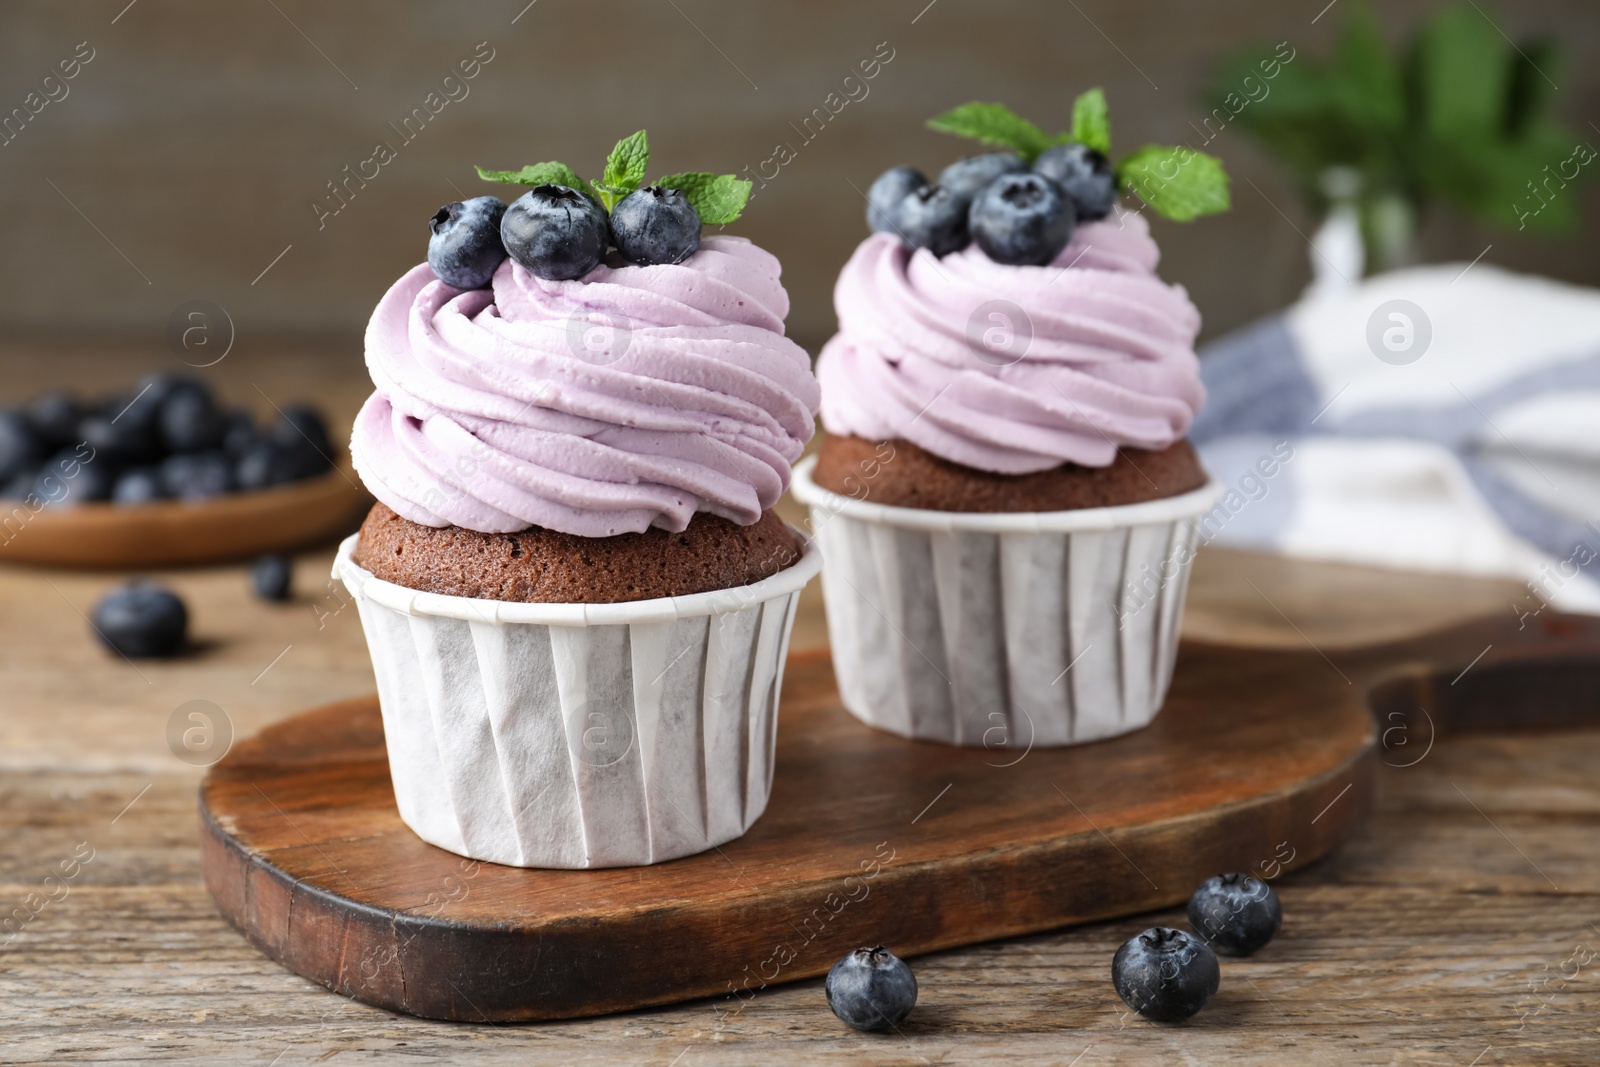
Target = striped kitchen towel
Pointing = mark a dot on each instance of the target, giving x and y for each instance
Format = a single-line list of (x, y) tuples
[(1445, 418)]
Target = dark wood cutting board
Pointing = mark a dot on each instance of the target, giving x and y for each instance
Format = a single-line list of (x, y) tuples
[(1260, 760)]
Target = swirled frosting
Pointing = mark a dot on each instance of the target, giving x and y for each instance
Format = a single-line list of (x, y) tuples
[(633, 397), (1014, 369)]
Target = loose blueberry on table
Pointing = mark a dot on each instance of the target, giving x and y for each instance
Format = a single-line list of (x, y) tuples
[(1236, 914), (1021, 206), (563, 227), (270, 577), (141, 621), (1165, 974), (871, 989)]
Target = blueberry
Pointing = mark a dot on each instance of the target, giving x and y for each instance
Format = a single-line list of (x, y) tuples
[(138, 485), (1235, 914), (238, 432), (934, 219), (555, 232), (122, 441), (1084, 174), (55, 416), (465, 247), (20, 449), (141, 620), (20, 486), (142, 406), (69, 479), (1165, 974), (871, 989), (269, 577), (1022, 219), (190, 422), (883, 199), (655, 225), (301, 437), (197, 475), (264, 465), (966, 178)]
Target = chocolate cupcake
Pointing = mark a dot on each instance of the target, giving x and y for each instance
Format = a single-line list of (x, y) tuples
[(576, 595), (1005, 499)]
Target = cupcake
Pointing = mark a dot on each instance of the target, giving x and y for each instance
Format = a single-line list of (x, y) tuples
[(576, 595), (1005, 498)]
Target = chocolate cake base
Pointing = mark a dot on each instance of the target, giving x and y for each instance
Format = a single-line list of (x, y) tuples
[(544, 566), (900, 474)]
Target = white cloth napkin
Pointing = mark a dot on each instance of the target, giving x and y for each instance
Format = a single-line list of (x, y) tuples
[(1442, 418)]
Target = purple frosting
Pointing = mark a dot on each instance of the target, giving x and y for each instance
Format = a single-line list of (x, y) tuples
[(631, 398)]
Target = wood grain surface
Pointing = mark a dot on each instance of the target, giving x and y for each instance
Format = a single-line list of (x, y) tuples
[(302, 848), (1446, 931)]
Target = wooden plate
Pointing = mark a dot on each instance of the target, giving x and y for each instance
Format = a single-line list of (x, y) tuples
[(1262, 760), (172, 533)]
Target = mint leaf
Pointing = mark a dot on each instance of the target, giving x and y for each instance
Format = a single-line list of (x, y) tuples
[(1091, 121), (1178, 182), (718, 198), (539, 174), (625, 168), (993, 124)]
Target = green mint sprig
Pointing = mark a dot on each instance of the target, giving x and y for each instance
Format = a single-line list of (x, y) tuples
[(1176, 182), (717, 198)]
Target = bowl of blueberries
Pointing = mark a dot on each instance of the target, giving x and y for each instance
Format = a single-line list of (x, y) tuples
[(165, 474)]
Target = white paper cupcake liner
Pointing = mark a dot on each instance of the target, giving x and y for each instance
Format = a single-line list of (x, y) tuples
[(579, 735), (1004, 630)]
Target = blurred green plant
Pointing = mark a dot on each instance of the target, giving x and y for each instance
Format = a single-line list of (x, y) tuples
[(1461, 116)]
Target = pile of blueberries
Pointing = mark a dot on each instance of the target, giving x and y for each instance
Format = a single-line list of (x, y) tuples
[(559, 233), (166, 439), (1164, 974), (1018, 215)]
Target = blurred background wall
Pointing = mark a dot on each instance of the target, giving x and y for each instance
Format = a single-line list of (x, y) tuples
[(188, 154)]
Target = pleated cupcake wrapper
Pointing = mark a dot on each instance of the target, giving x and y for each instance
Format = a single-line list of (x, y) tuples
[(1006, 631), (579, 735)]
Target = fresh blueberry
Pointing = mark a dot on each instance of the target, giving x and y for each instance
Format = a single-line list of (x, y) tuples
[(138, 485), (1084, 174), (1022, 219), (264, 465), (301, 437), (269, 577), (71, 478), (871, 989), (238, 432), (883, 199), (20, 487), (122, 442), (966, 178), (1235, 914), (19, 445), (142, 405), (190, 422), (1165, 974), (934, 219), (655, 225), (141, 620), (465, 247), (197, 475), (555, 232), (55, 417)]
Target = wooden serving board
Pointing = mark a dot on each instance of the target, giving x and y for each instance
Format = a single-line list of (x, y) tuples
[(1260, 760), (171, 533)]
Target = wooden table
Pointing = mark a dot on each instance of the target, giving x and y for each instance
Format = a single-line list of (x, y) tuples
[(1461, 926)]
